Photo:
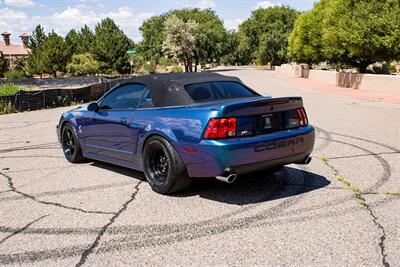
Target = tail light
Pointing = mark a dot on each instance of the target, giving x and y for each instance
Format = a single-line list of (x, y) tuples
[(218, 128), (301, 113), (297, 118)]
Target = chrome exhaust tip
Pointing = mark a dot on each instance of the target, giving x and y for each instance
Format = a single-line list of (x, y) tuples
[(305, 161), (227, 177)]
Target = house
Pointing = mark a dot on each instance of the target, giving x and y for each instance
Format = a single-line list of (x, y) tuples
[(13, 52)]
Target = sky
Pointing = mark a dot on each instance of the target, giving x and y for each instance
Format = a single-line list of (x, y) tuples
[(18, 16)]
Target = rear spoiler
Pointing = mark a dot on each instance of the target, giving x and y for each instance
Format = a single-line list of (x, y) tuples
[(260, 106)]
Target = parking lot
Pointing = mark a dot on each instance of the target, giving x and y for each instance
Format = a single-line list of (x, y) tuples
[(343, 209)]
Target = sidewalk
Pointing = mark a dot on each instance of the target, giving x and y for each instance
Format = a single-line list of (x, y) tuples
[(329, 89)]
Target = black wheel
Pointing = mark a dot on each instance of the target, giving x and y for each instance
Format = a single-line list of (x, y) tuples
[(70, 144), (163, 167)]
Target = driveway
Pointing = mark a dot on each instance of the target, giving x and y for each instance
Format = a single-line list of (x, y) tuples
[(343, 209)]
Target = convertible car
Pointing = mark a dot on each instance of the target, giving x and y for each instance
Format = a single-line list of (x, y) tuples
[(174, 127)]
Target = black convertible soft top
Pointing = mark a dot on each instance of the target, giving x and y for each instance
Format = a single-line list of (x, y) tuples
[(167, 89)]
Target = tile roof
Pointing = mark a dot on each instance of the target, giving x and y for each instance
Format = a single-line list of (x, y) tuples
[(13, 49)]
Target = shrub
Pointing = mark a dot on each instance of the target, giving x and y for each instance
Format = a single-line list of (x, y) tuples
[(149, 68), (9, 89), (82, 64), (14, 74), (176, 69), (6, 107)]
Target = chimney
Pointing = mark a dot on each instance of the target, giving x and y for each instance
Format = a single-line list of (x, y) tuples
[(25, 39), (6, 37)]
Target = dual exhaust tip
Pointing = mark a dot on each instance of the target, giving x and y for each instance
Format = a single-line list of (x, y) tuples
[(229, 176), (305, 161)]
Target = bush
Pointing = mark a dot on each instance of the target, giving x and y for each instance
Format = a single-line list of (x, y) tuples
[(385, 68), (149, 68), (82, 64), (14, 74), (164, 61), (9, 89), (6, 107), (176, 69)]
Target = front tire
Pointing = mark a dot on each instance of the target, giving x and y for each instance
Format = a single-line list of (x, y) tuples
[(163, 167), (70, 144)]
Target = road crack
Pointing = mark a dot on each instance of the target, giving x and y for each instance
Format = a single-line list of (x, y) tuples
[(22, 229), (96, 242), (59, 205), (358, 195)]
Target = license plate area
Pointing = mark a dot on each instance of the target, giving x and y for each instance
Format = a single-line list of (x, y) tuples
[(270, 122)]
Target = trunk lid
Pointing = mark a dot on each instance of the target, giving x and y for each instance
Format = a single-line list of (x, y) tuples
[(265, 115)]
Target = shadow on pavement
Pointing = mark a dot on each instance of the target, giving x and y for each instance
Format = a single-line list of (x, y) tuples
[(257, 187), (248, 189), (121, 170)]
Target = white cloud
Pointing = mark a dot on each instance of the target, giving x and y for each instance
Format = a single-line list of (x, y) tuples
[(72, 17), (266, 4), (233, 24), (20, 3), (204, 4), (11, 20)]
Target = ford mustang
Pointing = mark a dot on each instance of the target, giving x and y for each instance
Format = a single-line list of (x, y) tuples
[(174, 127)]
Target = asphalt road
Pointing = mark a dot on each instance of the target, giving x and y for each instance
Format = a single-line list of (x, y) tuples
[(341, 210)]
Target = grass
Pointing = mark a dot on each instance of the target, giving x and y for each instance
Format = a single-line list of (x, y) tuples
[(392, 193), (15, 74), (9, 89), (347, 185), (6, 107), (323, 159)]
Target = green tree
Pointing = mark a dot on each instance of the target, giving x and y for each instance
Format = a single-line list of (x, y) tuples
[(82, 64), (151, 46), (71, 43), (348, 32), (305, 41), (210, 44), (85, 40), (267, 32), (37, 37), (180, 38), (361, 32), (35, 63), (110, 46), (54, 54), (3, 65), (237, 50)]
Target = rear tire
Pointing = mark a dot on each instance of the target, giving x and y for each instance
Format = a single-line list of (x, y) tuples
[(163, 168), (70, 144)]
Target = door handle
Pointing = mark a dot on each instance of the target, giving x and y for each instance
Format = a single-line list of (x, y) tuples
[(123, 121)]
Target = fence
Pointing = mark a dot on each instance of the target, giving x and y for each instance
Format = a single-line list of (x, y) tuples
[(50, 98)]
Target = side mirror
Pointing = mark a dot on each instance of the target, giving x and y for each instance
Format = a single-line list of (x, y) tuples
[(93, 107)]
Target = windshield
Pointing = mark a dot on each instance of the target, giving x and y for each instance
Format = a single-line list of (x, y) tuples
[(210, 91)]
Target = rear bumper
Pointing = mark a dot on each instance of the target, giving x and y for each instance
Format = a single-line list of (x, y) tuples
[(244, 155)]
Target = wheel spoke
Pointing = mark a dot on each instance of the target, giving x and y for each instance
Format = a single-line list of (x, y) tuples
[(159, 165)]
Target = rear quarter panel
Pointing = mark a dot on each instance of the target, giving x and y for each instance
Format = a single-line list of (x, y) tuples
[(178, 124)]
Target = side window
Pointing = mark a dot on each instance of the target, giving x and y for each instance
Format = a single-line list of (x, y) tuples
[(146, 100), (125, 97)]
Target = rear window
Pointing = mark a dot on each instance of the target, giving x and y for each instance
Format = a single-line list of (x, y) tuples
[(210, 91)]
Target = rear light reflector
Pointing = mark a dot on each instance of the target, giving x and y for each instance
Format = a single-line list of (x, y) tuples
[(301, 113), (218, 128)]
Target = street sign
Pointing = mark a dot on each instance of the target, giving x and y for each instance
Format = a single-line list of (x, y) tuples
[(131, 52)]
